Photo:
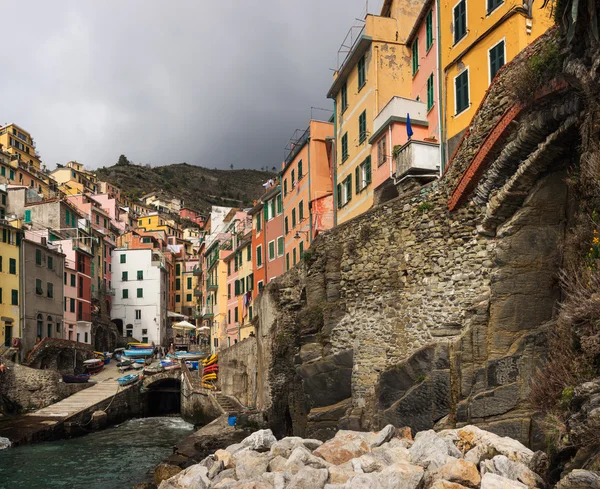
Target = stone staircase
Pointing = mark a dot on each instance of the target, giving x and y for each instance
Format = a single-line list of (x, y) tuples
[(226, 404)]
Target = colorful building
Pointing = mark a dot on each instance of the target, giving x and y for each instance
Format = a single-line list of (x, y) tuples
[(10, 284), (306, 177), (155, 221), (74, 179), (21, 146), (477, 38), (376, 68)]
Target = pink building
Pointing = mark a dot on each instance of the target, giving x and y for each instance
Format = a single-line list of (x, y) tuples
[(192, 215), (233, 311)]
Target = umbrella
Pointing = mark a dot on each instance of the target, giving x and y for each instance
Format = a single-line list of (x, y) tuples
[(203, 328), (184, 325)]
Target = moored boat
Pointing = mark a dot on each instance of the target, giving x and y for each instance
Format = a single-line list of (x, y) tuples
[(128, 379), (94, 365), (136, 353), (75, 379), (154, 370), (189, 355), (124, 363), (137, 366)]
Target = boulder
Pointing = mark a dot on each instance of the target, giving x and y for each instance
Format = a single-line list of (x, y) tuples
[(277, 479), (389, 455), (302, 456), (251, 484), (494, 481), (385, 435), (362, 481), (194, 477), (224, 483), (580, 479), (164, 472), (478, 445), (235, 448), (250, 464), (401, 475), (277, 464), (260, 441), (516, 471), (345, 446), (308, 478), (339, 474), (226, 457), (225, 474), (4, 443), (431, 451), (368, 463), (460, 471), (285, 446), (442, 484), (215, 469)]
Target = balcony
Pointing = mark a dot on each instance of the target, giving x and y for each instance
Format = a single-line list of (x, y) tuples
[(197, 314), (418, 158), (81, 245), (207, 312), (197, 271), (211, 285), (197, 292), (396, 111)]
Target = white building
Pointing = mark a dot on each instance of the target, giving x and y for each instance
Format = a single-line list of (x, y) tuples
[(141, 284)]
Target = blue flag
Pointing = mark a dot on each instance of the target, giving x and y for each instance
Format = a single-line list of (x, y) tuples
[(409, 130)]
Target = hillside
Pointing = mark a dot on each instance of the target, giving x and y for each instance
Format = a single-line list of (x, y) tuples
[(198, 187)]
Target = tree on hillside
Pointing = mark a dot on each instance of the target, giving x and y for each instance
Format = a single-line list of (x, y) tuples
[(123, 160)]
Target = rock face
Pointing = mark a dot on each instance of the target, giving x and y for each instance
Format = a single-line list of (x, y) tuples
[(362, 460)]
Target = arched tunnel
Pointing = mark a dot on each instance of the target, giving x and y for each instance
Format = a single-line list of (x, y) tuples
[(163, 397)]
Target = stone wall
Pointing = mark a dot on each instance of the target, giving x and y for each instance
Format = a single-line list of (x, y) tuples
[(238, 372), (25, 389), (415, 315)]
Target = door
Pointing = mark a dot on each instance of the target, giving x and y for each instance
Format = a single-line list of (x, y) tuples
[(8, 335)]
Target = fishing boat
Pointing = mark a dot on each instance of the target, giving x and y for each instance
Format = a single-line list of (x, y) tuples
[(128, 379), (124, 363), (143, 361), (94, 365), (154, 370), (136, 353), (189, 355), (137, 366), (75, 379), (139, 346), (170, 365)]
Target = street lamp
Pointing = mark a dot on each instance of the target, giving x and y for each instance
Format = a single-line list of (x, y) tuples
[(297, 235)]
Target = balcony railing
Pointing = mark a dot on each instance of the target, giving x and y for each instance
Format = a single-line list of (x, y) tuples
[(197, 271), (211, 285), (207, 312), (418, 157), (197, 292), (197, 314)]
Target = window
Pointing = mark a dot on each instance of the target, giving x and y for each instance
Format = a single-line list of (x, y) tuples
[(73, 280), (71, 304), (285, 191), (286, 225), (430, 92), (140, 275), (249, 253), (415, 56), (266, 212), (300, 174), (344, 147), (237, 287), (293, 178), (496, 55), (38, 257), (261, 285), (294, 256), (362, 175), (65, 279), (287, 261), (242, 286), (58, 327), (50, 263), (301, 249), (177, 284), (272, 203), (27, 213), (258, 223), (229, 316), (344, 191), (362, 126), (124, 276), (250, 313), (12, 174), (228, 268), (229, 291), (461, 92), (280, 246), (125, 294), (123, 258), (250, 282), (97, 219), (362, 76), (12, 266), (382, 151), (178, 298), (189, 283), (259, 256), (293, 218), (140, 292), (39, 290), (235, 315), (301, 211), (271, 250), (460, 20), (429, 30), (50, 288), (493, 5), (14, 297), (344, 98)]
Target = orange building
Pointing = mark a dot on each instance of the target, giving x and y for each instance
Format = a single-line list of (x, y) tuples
[(306, 177)]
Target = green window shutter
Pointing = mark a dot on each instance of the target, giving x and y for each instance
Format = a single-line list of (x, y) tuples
[(237, 287), (258, 256), (249, 253), (3, 171), (429, 29), (140, 275), (123, 276), (38, 257), (415, 56), (344, 97), (293, 218), (460, 21), (188, 298), (301, 210), (349, 187), (300, 174), (178, 269), (301, 248), (68, 217), (368, 170), (285, 187), (344, 147), (189, 282), (4, 236), (287, 261), (258, 223), (294, 256), (339, 195), (362, 126), (496, 59), (271, 250), (15, 298), (462, 91), (357, 179), (430, 92), (362, 79), (272, 208), (125, 294), (286, 225), (266, 211), (280, 246), (493, 4), (279, 204), (140, 292), (27, 216), (242, 290)]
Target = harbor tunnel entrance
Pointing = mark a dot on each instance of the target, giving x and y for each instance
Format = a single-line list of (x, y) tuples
[(164, 397)]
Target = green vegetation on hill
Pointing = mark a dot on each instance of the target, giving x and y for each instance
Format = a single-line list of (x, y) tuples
[(198, 187)]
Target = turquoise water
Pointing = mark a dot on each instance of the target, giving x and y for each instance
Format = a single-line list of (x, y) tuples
[(117, 457)]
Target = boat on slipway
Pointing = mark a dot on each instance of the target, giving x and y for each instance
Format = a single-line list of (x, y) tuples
[(94, 365)]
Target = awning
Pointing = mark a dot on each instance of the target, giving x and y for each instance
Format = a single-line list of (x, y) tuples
[(171, 314)]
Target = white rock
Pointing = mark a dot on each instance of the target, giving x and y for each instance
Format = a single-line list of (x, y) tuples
[(250, 464), (4, 443), (484, 445), (194, 477), (260, 440), (235, 448), (501, 465), (364, 481), (390, 455), (339, 474), (302, 456), (277, 479), (580, 479), (309, 478), (431, 451), (277, 464), (494, 481), (385, 435), (226, 457), (401, 475)]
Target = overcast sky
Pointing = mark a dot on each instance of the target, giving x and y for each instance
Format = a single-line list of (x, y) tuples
[(209, 83)]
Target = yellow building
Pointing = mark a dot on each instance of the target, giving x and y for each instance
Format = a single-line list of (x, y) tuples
[(73, 179), (477, 38), (10, 320), (19, 143), (377, 67), (155, 221), (245, 287)]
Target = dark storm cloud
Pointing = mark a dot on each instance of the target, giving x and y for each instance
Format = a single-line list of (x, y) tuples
[(209, 83)]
